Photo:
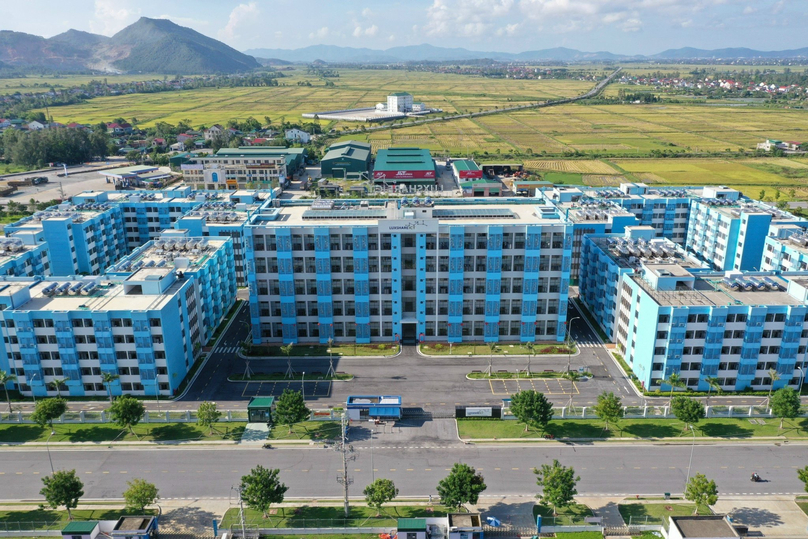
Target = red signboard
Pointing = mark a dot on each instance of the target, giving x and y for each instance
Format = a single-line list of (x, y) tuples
[(470, 174), (403, 175)]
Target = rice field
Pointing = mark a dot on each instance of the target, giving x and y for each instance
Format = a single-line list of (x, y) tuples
[(569, 165)]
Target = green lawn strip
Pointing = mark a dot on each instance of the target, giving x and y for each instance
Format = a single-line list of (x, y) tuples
[(579, 535), (804, 506), (565, 516), (41, 519), (322, 350), (514, 349), (108, 432), (318, 516), (279, 377), (656, 513), (632, 428), (307, 430)]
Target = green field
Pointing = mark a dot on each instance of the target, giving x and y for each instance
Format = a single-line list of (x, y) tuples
[(107, 432), (318, 516)]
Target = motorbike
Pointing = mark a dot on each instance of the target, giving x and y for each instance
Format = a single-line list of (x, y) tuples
[(756, 478)]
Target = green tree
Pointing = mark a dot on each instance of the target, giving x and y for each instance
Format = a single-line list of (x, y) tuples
[(532, 408), (62, 488), (139, 494), (133, 156), (463, 485), (712, 382), (380, 492), (774, 376), (107, 378), (47, 410), (609, 408), (58, 384), (261, 488), (207, 415), (674, 380), (558, 484), (802, 475), (5, 378), (701, 491), (688, 410), (290, 408), (785, 404), (126, 411), (762, 194)]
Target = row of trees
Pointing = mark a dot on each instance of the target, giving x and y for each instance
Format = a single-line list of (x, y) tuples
[(534, 409), (64, 488), (71, 146)]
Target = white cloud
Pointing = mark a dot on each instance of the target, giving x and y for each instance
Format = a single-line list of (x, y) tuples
[(392, 37), (369, 31), (319, 34), (241, 13), (748, 10), (509, 30), (367, 12), (466, 18), (112, 16)]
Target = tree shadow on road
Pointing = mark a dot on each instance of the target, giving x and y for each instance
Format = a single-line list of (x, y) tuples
[(753, 516)]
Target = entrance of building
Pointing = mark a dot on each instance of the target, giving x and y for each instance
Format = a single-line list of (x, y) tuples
[(409, 333)]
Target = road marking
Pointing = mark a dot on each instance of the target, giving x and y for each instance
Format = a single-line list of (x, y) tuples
[(104, 472), (36, 473), (515, 469), (124, 472), (392, 469), (88, 472), (410, 470), (427, 469), (497, 469)]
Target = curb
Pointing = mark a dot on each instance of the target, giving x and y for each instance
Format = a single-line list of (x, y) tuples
[(641, 441), (501, 356), (288, 380)]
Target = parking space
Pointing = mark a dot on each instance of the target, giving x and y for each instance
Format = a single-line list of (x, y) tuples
[(316, 389), (548, 386)]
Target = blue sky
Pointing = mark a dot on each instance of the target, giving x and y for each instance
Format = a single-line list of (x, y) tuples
[(620, 26)]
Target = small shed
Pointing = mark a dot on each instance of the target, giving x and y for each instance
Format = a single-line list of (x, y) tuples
[(259, 409), (135, 527), (465, 526), (411, 528), (81, 529)]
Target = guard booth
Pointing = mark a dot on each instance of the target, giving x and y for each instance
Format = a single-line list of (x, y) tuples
[(364, 407), (259, 409)]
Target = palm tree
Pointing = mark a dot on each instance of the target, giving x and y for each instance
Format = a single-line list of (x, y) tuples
[(57, 384), (674, 380), (107, 378), (712, 383), (5, 378), (774, 375)]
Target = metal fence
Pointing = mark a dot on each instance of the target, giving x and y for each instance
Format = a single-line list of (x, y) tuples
[(31, 526), (291, 522), (660, 412), (95, 416)]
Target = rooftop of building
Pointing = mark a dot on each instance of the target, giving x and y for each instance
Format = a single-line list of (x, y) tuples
[(81, 294), (792, 237), (704, 527), (354, 143), (630, 252), (349, 150), (464, 520), (716, 290), (400, 94), (404, 159), (459, 211), (171, 251), (465, 164), (18, 245), (733, 209), (128, 172), (78, 213)]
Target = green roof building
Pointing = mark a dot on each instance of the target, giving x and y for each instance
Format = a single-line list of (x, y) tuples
[(349, 159), (259, 409), (83, 529), (413, 166)]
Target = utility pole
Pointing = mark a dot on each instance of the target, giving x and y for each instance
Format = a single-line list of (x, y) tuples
[(344, 448), (241, 511)]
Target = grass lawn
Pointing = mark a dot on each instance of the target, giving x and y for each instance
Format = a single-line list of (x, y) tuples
[(107, 432), (511, 349), (307, 430), (633, 428), (804, 506), (312, 517), (41, 519), (639, 513), (322, 350)]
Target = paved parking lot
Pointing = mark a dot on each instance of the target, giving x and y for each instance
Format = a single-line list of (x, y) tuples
[(312, 390), (548, 386)]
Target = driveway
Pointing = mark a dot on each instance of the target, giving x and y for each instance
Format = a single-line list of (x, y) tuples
[(778, 516)]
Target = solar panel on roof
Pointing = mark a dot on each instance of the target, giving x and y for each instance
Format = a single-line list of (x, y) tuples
[(474, 213), (344, 214)]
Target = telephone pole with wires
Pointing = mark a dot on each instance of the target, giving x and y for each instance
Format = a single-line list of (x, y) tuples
[(345, 448)]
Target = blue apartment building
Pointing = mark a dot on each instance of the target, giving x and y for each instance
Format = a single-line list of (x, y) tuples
[(82, 239), (146, 321), (488, 270), (24, 254)]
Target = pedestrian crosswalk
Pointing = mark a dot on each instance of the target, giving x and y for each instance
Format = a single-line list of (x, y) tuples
[(226, 350), (589, 344)]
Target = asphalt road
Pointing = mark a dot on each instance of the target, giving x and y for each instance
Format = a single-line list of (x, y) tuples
[(72, 184), (311, 472)]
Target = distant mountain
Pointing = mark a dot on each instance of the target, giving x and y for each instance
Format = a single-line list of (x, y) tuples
[(148, 45), (160, 46), (272, 61), (431, 53), (688, 53)]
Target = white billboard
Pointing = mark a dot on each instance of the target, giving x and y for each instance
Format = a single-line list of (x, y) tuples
[(478, 412)]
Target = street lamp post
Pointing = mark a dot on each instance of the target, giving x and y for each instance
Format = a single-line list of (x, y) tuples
[(802, 379), (47, 446), (33, 394), (569, 340), (372, 471), (692, 447), (303, 385)]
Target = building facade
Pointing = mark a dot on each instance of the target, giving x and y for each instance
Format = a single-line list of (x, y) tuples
[(454, 272), (24, 254), (146, 322), (247, 167), (399, 102)]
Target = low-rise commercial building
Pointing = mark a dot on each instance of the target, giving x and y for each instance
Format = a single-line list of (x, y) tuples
[(247, 167), (408, 166), (349, 159)]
